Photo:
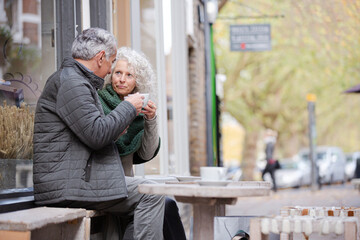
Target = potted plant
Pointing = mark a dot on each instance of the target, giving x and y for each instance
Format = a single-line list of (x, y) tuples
[(16, 134)]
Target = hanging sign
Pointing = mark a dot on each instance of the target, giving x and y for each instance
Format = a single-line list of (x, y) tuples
[(250, 37)]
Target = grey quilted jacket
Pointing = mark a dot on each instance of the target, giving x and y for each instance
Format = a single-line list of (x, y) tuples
[(75, 157)]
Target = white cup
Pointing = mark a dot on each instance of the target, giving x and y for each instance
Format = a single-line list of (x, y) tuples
[(213, 173), (145, 100)]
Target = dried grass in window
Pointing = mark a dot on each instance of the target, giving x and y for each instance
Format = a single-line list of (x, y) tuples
[(16, 132)]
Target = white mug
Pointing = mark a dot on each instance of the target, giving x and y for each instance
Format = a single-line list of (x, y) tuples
[(145, 100), (213, 173)]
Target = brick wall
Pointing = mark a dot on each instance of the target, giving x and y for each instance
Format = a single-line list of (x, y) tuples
[(30, 6)]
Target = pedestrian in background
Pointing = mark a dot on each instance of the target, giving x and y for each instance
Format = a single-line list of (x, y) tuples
[(270, 141), (357, 168)]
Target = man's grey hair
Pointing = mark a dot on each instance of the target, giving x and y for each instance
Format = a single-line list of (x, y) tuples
[(91, 41), (140, 67)]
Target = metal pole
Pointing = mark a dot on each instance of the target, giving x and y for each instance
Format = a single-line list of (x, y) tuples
[(208, 92), (216, 161), (311, 98)]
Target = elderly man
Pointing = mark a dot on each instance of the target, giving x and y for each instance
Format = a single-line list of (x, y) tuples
[(76, 162)]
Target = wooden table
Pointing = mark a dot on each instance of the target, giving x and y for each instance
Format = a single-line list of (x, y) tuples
[(207, 201)]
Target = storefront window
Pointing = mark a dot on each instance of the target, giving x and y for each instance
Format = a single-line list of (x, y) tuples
[(22, 44), (148, 41)]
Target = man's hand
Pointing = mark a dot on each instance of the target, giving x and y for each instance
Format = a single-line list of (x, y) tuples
[(136, 100)]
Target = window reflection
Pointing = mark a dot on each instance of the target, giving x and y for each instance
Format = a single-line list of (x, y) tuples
[(21, 82), (21, 55), (147, 31), (148, 43)]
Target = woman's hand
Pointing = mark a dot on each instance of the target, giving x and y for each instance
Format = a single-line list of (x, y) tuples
[(136, 100), (149, 110)]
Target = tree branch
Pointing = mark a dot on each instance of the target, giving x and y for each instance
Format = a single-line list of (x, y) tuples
[(221, 4)]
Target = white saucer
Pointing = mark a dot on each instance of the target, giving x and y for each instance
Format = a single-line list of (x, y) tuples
[(187, 178), (213, 183), (160, 178)]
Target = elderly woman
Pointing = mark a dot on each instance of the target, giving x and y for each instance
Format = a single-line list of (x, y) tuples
[(132, 73)]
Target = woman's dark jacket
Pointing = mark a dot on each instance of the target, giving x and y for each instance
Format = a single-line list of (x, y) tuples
[(75, 157)]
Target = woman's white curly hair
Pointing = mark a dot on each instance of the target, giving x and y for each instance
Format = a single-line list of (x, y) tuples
[(140, 67)]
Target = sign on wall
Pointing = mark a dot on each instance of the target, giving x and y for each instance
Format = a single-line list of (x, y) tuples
[(250, 37)]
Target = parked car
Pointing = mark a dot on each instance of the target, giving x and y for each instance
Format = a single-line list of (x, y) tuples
[(350, 165), (292, 174), (330, 162)]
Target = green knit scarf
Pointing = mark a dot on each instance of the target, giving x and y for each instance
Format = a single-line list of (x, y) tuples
[(130, 142)]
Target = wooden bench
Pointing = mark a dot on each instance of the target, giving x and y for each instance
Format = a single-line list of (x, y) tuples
[(320, 211), (300, 222), (301, 227), (44, 223)]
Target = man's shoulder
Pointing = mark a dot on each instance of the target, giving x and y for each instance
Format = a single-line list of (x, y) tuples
[(66, 77), (75, 73), (71, 77)]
